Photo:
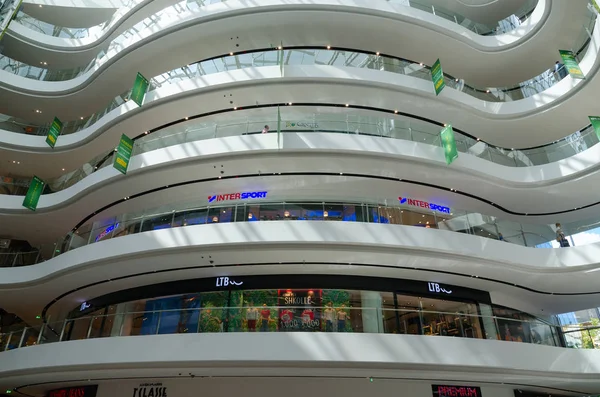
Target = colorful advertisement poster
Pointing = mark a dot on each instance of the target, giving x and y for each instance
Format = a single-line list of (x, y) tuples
[(36, 187), (449, 144), (437, 75), (571, 64), (140, 87), (54, 132), (595, 120), (123, 154)]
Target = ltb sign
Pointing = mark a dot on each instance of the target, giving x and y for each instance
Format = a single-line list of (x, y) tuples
[(226, 281)]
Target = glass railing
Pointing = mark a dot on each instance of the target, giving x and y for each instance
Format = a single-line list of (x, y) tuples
[(317, 119), (17, 259), (311, 56), (178, 10), (59, 31), (281, 319), (582, 337), (504, 26), (190, 214)]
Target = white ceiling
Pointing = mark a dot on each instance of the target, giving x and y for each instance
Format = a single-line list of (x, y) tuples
[(72, 13)]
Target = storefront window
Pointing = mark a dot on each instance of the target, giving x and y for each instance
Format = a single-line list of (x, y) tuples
[(312, 310)]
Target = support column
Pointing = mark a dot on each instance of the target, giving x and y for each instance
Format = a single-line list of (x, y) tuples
[(371, 313)]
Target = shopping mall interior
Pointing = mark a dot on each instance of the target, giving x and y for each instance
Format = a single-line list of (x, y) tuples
[(266, 197)]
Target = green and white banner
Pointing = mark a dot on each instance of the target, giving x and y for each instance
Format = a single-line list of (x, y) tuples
[(571, 64), (595, 120), (54, 132), (596, 5), (123, 154), (140, 87), (36, 187), (449, 144), (437, 75), (8, 14)]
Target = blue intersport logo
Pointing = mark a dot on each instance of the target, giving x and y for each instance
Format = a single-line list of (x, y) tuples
[(237, 196), (424, 204)]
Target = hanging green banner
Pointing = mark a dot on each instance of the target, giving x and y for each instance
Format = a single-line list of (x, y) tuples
[(54, 132), (140, 87), (437, 75), (571, 64), (595, 120), (123, 154), (449, 144), (36, 187), (10, 13), (596, 5)]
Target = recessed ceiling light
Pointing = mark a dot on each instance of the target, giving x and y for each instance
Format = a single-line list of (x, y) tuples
[(377, 53), (145, 132), (329, 47), (81, 118), (290, 104), (186, 118), (63, 169), (231, 53), (279, 48), (347, 105), (395, 111)]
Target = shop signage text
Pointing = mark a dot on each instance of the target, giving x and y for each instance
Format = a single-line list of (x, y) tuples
[(435, 287), (84, 306), (424, 204), (106, 231), (455, 391), (300, 124), (83, 391), (226, 281), (237, 196), (150, 390), (298, 300)]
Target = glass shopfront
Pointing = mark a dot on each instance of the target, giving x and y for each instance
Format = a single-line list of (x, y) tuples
[(321, 303)]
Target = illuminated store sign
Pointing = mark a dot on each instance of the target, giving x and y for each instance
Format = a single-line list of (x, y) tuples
[(226, 281), (455, 391), (237, 196), (83, 391), (106, 231), (435, 287), (424, 204)]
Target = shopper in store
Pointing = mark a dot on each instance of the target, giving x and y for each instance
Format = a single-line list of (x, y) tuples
[(342, 316), (560, 236), (251, 317)]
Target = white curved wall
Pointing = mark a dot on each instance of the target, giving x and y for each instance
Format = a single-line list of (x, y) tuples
[(523, 190), (538, 281), (303, 354), (257, 31)]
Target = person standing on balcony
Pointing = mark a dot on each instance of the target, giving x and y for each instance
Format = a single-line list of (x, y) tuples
[(560, 236), (265, 130)]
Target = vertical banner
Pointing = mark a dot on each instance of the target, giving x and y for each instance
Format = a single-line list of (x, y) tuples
[(595, 120), (54, 132), (281, 60), (449, 144), (571, 64), (123, 154), (278, 126), (596, 5), (437, 75), (140, 87), (36, 187)]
